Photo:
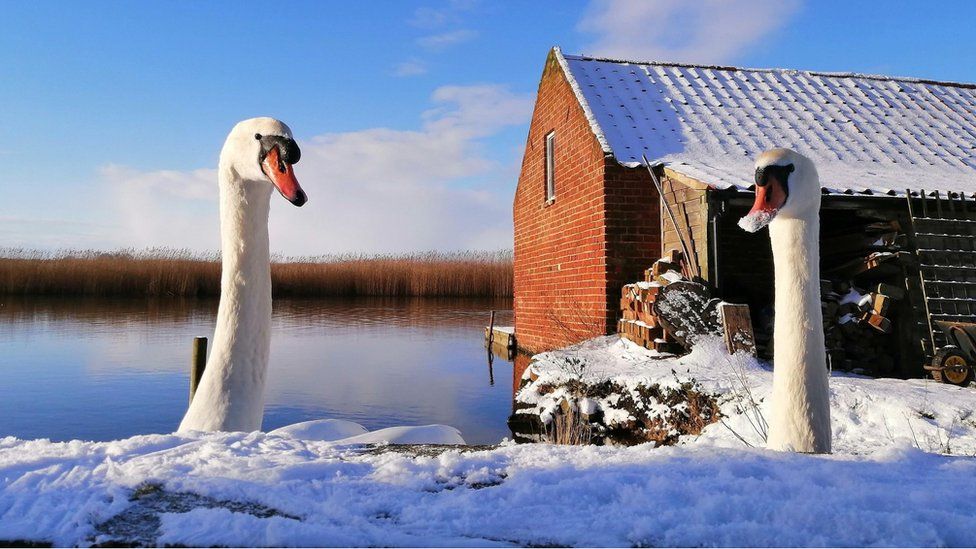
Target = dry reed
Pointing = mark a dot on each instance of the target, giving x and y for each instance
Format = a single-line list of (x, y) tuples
[(180, 273), (569, 427)]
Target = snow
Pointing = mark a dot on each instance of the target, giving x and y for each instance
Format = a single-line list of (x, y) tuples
[(868, 415), (428, 434), (852, 296), (865, 133), (321, 429), (891, 480), (672, 276), (348, 432), (756, 220)]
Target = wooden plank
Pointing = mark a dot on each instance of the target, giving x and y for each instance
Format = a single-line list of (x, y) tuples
[(674, 256), (880, 304), (737, 328), (877, 322), (648, 294), (648, 318), (497, 337), (685, 180), (661, 267)]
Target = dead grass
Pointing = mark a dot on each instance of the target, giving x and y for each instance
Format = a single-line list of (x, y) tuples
[(569, 427), (180, 273)]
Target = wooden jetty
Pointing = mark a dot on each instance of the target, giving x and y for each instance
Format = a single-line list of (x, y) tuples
[(500, 337)]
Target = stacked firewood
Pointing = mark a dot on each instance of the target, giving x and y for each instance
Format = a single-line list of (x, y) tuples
[(858, 326), (864, 266), (638, 322)]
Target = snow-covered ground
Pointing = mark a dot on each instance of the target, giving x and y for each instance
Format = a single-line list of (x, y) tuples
[(890, 481), (868, 414)]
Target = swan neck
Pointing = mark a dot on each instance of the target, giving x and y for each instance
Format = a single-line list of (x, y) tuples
[(796, 257), (799, 319), (245, 249), (801, 404)]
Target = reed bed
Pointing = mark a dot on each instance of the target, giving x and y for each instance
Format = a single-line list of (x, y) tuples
[(181, 273)]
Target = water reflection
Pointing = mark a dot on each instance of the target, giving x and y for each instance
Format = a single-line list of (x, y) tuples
[(102, 369)]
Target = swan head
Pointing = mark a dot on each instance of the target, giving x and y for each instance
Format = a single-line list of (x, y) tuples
[(787, 186), (262, 150)]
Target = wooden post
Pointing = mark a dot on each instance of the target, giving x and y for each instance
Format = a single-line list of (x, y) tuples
[(491, 342), (491, 330), (198, 364)]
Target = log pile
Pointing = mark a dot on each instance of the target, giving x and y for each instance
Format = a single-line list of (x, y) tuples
[(858, 327), (864, 264), (638, 322)]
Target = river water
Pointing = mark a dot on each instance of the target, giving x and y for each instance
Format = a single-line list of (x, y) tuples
[(103, 369)]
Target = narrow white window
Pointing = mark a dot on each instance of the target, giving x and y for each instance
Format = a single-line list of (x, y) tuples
[(550, 166)]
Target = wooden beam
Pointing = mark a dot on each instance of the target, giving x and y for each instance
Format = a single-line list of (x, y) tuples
[(685, 180)]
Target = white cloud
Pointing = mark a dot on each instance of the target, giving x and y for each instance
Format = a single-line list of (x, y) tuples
[(429, 18), (411, 67), (426, 17), (446, 39), (703, 31), (166, 208), (374, 190)]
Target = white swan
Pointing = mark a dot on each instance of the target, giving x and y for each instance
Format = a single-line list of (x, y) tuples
[(788, 200), (256, 159)]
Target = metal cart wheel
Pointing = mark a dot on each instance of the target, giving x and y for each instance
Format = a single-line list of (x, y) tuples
[(953, 366)]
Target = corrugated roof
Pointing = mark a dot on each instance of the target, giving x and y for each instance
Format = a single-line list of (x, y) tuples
[(866, 133)]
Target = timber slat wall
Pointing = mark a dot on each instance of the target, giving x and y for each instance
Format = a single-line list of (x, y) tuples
[(690, 208)]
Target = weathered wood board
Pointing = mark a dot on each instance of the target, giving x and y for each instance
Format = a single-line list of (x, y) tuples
[(737, 328)]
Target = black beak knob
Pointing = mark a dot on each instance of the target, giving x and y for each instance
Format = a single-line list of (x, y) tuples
[(761, 179), (781, 173), (288, 150)]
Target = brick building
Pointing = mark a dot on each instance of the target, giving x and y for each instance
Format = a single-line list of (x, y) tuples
[(588, 218)]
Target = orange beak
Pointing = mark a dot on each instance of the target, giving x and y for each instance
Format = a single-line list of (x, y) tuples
[(769, 199), (283, 176)]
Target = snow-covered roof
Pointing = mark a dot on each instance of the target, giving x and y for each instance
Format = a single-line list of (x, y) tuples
[(872, 134)]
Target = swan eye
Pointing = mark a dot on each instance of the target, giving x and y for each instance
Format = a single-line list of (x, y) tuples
[(257, 136)]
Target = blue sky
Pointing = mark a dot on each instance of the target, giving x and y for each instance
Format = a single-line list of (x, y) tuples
[(412, 115)]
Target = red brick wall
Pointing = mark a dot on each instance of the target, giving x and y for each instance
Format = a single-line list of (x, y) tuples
[(633, 230), (602, 230)]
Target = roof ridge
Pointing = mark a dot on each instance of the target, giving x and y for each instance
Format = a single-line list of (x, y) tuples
[(880, 77)]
